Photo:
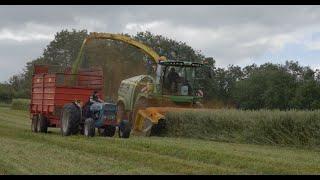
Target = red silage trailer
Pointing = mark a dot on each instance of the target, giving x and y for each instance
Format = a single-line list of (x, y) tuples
[(51, 91)]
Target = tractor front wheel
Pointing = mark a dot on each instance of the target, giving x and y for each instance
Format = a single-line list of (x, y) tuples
[(108, 131), (89, 128), (124, 129)]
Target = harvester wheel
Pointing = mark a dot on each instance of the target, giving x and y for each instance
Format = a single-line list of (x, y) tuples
[(42, 125), (89, 129), (142, 103), (124, 129), (34, 123), (70, 119), (199, 105)]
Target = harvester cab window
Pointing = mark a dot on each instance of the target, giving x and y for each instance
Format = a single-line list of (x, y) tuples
[(177, 80), (172, 79)]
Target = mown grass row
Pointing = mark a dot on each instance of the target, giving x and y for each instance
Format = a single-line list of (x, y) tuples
[(298, 128)]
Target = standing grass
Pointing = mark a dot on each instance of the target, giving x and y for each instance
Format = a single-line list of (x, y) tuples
[(20, 104), (24, 152), (297, 128)]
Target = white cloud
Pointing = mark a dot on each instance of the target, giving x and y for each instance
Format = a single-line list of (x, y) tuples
[(312, 44), (6, 34), (136, 27), (90, 24), (227, 44), (28, 32)]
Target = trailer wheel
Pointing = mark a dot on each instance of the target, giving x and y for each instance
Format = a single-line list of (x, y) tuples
[(124, 129), (34, 123), (70, 119), (89, 129), (42, 124)]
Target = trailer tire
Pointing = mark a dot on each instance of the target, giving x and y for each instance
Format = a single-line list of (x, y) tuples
[(124, 129), (34, 123), (42, 125), (89, 128), (70, 119)]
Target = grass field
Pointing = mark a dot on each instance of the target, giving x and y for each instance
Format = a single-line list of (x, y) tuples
[(24, 152)]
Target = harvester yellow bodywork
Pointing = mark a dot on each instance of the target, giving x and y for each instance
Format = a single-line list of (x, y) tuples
[(147, 118)]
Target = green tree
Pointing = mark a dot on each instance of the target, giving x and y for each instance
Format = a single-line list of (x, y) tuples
[(307, 95), (6, 93), (63, 50), (269, 86)]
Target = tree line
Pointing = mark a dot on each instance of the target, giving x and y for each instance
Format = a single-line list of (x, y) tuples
[(267, 86)]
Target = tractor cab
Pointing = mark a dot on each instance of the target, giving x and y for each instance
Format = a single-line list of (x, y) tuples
[(178, 78)]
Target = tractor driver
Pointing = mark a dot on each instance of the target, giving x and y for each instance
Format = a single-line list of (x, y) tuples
[(173, 77), (94, 97)]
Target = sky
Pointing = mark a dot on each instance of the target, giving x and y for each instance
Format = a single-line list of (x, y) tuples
[(239, 35)]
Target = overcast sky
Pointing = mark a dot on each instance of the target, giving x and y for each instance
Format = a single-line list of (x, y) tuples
[(239, 35)]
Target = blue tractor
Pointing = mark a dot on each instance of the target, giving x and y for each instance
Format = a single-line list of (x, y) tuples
[(103, 116)]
